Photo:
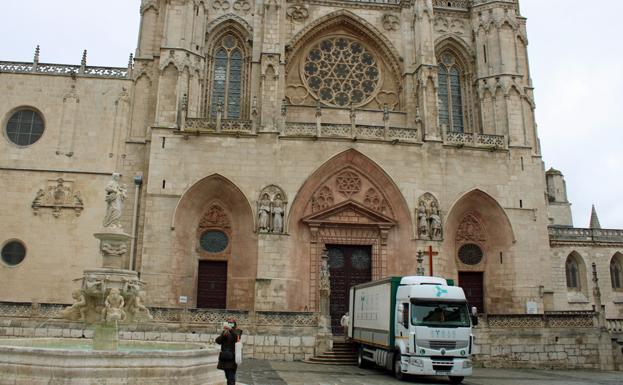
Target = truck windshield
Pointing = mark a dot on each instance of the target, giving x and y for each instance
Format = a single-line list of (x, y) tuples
[(434, 313)]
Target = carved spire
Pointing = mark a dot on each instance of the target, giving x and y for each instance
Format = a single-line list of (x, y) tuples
[(594, 219), (83, 62), (37, 52)]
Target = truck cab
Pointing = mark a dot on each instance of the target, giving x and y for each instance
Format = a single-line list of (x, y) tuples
[(433, 329), (413, 325)]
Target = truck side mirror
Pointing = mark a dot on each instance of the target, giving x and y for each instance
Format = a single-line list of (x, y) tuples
[(401, 310), (474, 311)]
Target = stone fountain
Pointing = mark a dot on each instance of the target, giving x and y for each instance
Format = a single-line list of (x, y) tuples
[(107, 297)]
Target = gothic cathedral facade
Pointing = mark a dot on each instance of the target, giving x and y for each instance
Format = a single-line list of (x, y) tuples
[(256, 137)]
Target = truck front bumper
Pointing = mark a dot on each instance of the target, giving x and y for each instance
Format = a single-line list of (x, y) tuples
[(431, 367)]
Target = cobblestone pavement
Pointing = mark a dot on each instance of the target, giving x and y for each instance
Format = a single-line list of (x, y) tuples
[(256, 372)]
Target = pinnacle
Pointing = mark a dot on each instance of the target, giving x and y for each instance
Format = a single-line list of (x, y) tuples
[(594, 219)]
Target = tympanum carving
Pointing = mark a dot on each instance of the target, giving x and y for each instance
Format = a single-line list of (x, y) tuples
[(470, 230)]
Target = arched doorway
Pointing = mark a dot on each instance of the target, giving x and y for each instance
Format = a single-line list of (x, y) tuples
[(352, 209)]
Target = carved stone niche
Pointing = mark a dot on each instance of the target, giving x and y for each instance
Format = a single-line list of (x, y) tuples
[(428, 217), (58, 194), (271, 210)]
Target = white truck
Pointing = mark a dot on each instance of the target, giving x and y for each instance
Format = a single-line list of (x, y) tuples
[(412, 326)]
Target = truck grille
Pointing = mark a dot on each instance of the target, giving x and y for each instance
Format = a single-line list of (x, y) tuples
[(438, 345)]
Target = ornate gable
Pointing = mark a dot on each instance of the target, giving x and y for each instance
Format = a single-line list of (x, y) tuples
[(349, 213)]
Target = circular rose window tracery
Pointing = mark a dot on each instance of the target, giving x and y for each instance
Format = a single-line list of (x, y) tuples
[(340, 71)]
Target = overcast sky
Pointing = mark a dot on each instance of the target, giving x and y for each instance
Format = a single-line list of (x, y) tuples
[(575, 56)]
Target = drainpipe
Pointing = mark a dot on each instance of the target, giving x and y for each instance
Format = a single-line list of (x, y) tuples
[(138, 182)]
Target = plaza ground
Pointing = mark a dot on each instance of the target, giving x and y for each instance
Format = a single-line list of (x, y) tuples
[(257, 372)]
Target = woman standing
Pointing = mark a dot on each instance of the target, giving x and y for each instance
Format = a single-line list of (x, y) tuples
[(226, 359)]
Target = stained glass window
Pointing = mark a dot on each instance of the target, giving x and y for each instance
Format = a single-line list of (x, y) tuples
[(449, 94), (340, 71), (13, 253), (24, 127), (214, 241), (616, 272), (227, 78), (572, 272), (470, 254)]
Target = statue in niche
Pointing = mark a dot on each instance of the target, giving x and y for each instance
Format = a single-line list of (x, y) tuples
[(435, 221), (115, 195), (113, 306), (77, 311), (422, 220), (325, 275), (278, 214), (264, 213)]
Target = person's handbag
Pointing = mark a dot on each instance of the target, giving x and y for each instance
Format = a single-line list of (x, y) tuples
[(238, 350), (226, 355)]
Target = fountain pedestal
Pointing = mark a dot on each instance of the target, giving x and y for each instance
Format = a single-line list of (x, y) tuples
[(106, 337)]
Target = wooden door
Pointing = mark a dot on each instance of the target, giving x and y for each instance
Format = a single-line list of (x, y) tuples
[(348, 266), (212, 285), (472, 284)]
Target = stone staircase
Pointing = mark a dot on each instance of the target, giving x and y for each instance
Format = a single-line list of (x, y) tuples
[(343, 353)]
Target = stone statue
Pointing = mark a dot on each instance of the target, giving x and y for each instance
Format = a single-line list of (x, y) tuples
[(113, 306), (77, 311), (325, 275), (115, 195), (139, 307), (278, 214), (92, 284), (264, 214), (422, 220), (435, 221)]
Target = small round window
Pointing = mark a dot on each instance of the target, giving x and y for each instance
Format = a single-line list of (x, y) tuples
[(214, 241), (24, 127), (470, 254), (13, 253)]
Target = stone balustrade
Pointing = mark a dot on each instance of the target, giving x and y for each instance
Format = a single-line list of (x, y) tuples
[(614, 325), (582, 235), (457, 4), (469, 139), (65, 70)]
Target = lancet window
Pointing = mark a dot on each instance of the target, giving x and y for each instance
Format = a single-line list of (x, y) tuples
[(450, 93), (572, 270), (616, 272), (226, 80)]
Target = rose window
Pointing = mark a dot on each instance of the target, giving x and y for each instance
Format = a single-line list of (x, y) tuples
[(340, 71)]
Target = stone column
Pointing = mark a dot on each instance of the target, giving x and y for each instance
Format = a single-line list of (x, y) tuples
[(323, 340)]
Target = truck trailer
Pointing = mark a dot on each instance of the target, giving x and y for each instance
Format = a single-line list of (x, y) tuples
[(412, 325)]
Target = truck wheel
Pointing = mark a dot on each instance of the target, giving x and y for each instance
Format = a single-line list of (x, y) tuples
[(400, 376), (361, 362), (456, 379)]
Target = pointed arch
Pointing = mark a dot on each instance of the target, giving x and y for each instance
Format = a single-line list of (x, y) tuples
[(616, 271), (575, 273), (226, 84), (356, 24), (215, 206)]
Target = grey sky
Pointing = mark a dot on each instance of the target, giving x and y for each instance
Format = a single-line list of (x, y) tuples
[(575, 56)]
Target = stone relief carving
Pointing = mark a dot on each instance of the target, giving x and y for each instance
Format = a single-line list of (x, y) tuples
[(391, 22), (221, 5), (298, 11), (214, 217), (429, 225), (242, 6), (375, 201), (323, 199), (115, 195), (271, 209), (113, 306), (59, 194), (449, 25), (470, 229), (348, 183), (325, 275)]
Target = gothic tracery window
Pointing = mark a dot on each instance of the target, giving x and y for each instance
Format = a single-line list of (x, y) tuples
[(450, 94), (226, 88), (341, 71), (572, 271), (616, 272)]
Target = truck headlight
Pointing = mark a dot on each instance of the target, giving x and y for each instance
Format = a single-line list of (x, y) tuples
[(467, 364), (417, 362)]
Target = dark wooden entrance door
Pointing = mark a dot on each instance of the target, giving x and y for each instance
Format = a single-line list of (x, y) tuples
[(212, 285), (472, 284), (348, 265)]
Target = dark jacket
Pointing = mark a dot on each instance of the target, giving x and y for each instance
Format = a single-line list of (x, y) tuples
[(228, 342)]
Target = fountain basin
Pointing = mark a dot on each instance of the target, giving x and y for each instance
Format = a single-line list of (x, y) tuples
[(65, 361)]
